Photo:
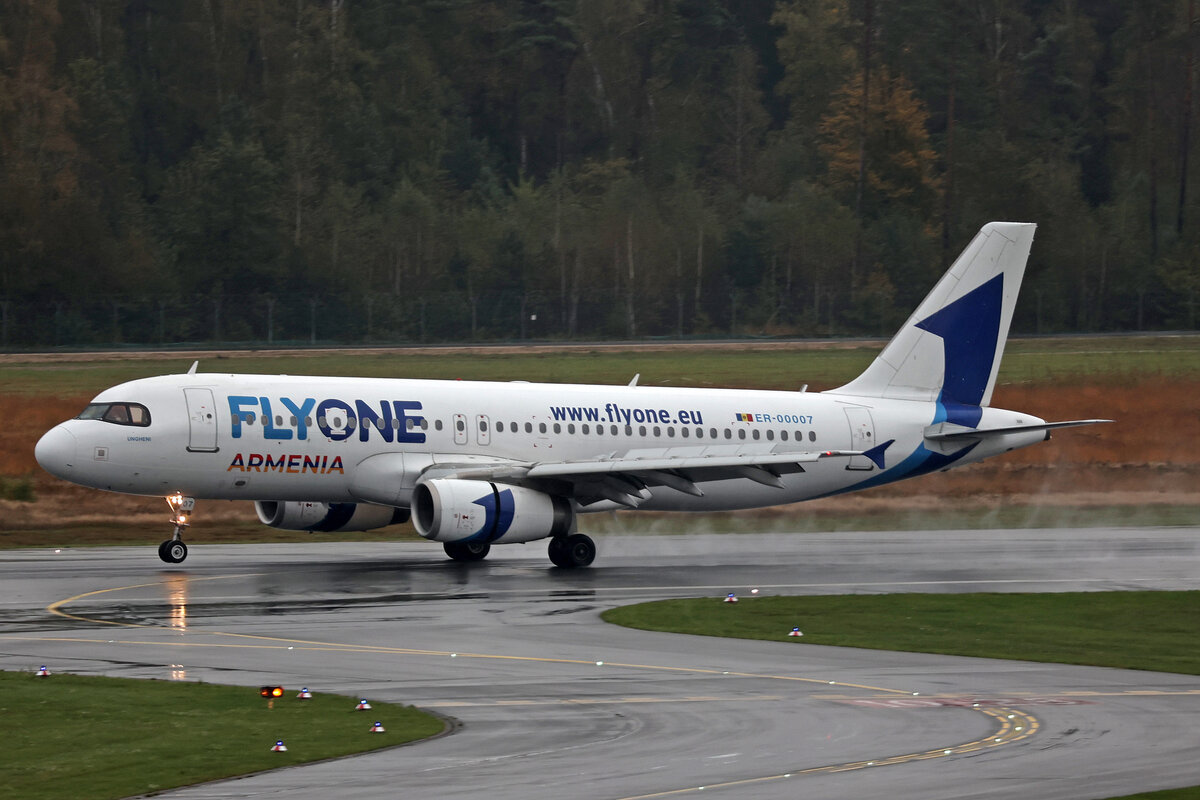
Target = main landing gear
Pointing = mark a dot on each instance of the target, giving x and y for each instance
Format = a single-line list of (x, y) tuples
[(173, 550), (467, 551), (569, 552)]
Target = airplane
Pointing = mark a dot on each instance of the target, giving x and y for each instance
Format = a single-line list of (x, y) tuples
[(476, 464)]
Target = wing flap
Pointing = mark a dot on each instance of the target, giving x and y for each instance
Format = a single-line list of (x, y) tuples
[(690, 466)]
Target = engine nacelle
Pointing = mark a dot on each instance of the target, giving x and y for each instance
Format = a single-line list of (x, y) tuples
[(449, 510), (328, 517)]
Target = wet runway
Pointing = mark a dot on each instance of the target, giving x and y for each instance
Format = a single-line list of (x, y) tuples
[(552, 702)]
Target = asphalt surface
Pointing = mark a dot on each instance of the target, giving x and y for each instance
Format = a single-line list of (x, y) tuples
[(550, 702)]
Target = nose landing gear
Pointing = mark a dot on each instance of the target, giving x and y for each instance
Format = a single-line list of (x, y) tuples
[(173, 550)]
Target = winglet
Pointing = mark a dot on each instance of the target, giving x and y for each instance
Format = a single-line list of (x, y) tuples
[(876, 452), (192, 369)]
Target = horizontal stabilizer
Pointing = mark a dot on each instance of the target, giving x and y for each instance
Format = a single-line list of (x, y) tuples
[(948, 431)]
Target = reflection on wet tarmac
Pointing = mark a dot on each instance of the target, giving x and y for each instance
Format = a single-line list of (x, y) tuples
[(177, 597)]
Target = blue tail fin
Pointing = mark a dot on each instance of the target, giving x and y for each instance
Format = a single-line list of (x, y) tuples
[(950, 348)]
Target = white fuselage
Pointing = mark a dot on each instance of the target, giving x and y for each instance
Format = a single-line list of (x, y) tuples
[(292, 438)]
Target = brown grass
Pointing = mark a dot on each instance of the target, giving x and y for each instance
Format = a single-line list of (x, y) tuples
[(26, 419)]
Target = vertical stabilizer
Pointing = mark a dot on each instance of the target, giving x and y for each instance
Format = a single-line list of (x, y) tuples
[(950, 348)]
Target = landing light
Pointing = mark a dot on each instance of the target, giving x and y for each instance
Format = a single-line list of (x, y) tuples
[(271, 691)]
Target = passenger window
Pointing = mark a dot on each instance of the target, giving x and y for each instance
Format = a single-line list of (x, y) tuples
[(585, 429), (657, 432), (742, 433), (684, 432), (437, 425), (770, 436), (557, 428), (728, 434), (541, 427), (756, 434), (671, 433), (570, 428), (812, 436), (641, 430), (529, 427), (712, 433), (783, 436)]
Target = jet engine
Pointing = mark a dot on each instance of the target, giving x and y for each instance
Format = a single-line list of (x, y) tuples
[(450, 510), (328, 517)]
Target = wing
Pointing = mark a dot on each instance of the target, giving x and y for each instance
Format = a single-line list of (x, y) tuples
[(625, 479)]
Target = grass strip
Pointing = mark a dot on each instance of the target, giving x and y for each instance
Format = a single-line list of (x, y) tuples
[(72, 736), (1026, 360), (1129, 630)]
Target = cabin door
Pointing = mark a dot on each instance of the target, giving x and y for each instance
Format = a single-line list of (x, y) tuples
[(862, 436), (202, 420)]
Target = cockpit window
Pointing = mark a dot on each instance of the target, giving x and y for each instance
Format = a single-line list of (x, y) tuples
[(118, 413)]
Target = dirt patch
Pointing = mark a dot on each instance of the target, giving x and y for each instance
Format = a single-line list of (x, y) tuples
[(1147, 458)]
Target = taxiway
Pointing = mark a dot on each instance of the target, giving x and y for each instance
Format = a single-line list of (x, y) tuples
[(550, 701)]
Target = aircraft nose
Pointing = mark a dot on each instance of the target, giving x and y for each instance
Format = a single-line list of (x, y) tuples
[(55, 451)]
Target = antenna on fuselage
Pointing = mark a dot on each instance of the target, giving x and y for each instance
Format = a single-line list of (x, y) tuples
[(635, 379), (192, 369)]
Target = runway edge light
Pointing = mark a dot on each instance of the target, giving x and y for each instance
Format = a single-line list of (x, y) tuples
[(305, 694), (279, 747), (731, 598), (42, 672), (363, 705), (795, 632), (377, 728)]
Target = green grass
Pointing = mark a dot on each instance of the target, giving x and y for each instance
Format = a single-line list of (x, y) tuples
[(820, 366), (19, 489), (1130, 630), (70, 736), (1189, 793)]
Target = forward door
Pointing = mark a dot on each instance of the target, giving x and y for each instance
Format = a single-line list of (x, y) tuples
[(202, 420)]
